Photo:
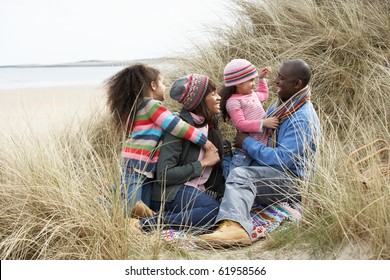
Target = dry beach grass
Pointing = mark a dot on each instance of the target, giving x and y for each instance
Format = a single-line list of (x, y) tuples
[(50, 182)]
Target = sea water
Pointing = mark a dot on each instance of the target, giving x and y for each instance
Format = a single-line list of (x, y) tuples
[(27, 77)]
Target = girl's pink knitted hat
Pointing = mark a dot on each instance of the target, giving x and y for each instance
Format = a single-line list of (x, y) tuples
[(239, 71)]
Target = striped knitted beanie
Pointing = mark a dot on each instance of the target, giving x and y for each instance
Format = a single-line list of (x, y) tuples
[(239, 71), (189, 90)]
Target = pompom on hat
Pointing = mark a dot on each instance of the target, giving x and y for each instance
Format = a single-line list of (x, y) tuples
[(189, 90), (239, 71)]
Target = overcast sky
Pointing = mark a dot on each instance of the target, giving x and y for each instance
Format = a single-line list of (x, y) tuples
[(55, 31)]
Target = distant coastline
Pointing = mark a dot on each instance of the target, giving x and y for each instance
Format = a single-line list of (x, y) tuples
[(87, 72), (95, 63)]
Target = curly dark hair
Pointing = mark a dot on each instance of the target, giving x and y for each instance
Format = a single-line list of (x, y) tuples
[(126, 89)]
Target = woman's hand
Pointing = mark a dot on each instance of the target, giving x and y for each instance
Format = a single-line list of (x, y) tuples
[(211, 158)]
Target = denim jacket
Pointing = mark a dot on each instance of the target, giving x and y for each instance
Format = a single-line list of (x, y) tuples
[(297, 141)]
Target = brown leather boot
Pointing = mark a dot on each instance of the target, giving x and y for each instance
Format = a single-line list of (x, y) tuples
[(140, 210), (228, 234)]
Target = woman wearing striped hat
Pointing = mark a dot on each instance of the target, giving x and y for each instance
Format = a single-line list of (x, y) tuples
[(189, 178)]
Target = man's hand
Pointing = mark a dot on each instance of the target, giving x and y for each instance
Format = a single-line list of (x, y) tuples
[(240, 137)]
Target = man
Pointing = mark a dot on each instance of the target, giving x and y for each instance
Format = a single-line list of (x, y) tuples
[(286, 160)]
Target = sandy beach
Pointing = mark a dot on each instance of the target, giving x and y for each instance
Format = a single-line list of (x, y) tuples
[(41, 109)]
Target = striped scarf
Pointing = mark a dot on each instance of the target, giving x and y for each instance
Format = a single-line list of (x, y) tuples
[(285, 109)]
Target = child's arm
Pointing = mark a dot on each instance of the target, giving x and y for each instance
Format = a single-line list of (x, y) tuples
[(237, 115), (170, 122), (262, 86)]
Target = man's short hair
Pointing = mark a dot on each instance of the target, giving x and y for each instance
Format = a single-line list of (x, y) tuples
[(300, 69)]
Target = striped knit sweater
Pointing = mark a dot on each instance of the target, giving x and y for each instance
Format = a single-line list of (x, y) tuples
[(151, 120), (247, 112)]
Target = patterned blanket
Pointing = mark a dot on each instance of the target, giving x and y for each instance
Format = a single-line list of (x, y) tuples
[(264, 219)]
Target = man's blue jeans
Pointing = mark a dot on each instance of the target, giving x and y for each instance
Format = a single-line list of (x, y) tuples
[(246, 186), (239, 158)]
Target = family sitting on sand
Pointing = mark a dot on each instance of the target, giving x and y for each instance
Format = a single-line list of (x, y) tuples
[(179, 173)]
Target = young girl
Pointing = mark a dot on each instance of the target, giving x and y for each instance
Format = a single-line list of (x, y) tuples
[(189, 178), (244, 106), (134, 98)]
